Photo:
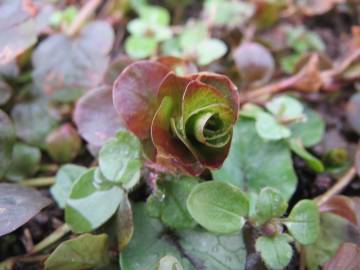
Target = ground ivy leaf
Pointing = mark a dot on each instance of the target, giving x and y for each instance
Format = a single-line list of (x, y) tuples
[(304, 222), (313, 162), (17, 205), (85, 251), (334, 231), (275, 251), (269, 128), (61, 62), (210, 50), (172, 209), (33, 122), (218, 206), (90, 112), (285, 107), (253, 164), (25, 162), (311, 131), (213, 252), (85, 196), (148, 244), (140, 47), (7, 139), (65, 177), (269, 204), (119, 158)]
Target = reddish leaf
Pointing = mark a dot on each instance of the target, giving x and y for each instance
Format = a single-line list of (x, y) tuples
[(346, 258), (178, 65), (134, 95), (95, 116)]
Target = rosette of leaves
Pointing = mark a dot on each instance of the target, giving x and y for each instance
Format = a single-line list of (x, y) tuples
[(185, 123), (195, 43), (146, 31)]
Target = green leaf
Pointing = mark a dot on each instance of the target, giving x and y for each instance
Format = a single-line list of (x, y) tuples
[(172, 209), (210, 50), (169, 263), (304, 222), (313, 162), (140, 47), (214, 252), (33, 122), (311, 131), (148, 244), (155, 15), (124, 223), (275, 251), (269, 128), (119, 159), (193, 34), (285, 107), (269, 204), (7, 140), (89, 205), (218, 206), (83, 252), (65, 177), (25, 162), (253, 164)]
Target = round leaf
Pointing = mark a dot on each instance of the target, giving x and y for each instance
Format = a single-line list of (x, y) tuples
[(269, 128), (218, 206)]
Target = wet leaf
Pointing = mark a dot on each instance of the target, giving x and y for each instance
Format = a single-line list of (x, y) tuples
[(304, 222), (119, 159), (78, 63), (18, 205), (347, 258), (21, 23), (87, 195), (25, 162), (253, 164), (83, 252), (218, 206), (63, 144), (7, 140), (65, 177), (148, 244), (172, 208), (96, 117), (33, 121), (213, 252), (269, 204), (275, 251), (254, 62)]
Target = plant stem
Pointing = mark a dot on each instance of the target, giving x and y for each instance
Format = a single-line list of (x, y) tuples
[(86, 11), (52, 238), (38, 182), (338, 187)]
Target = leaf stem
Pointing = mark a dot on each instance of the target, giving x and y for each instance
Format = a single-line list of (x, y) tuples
[(38, 182), (52, 238), (338, 187), (86, 11)]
